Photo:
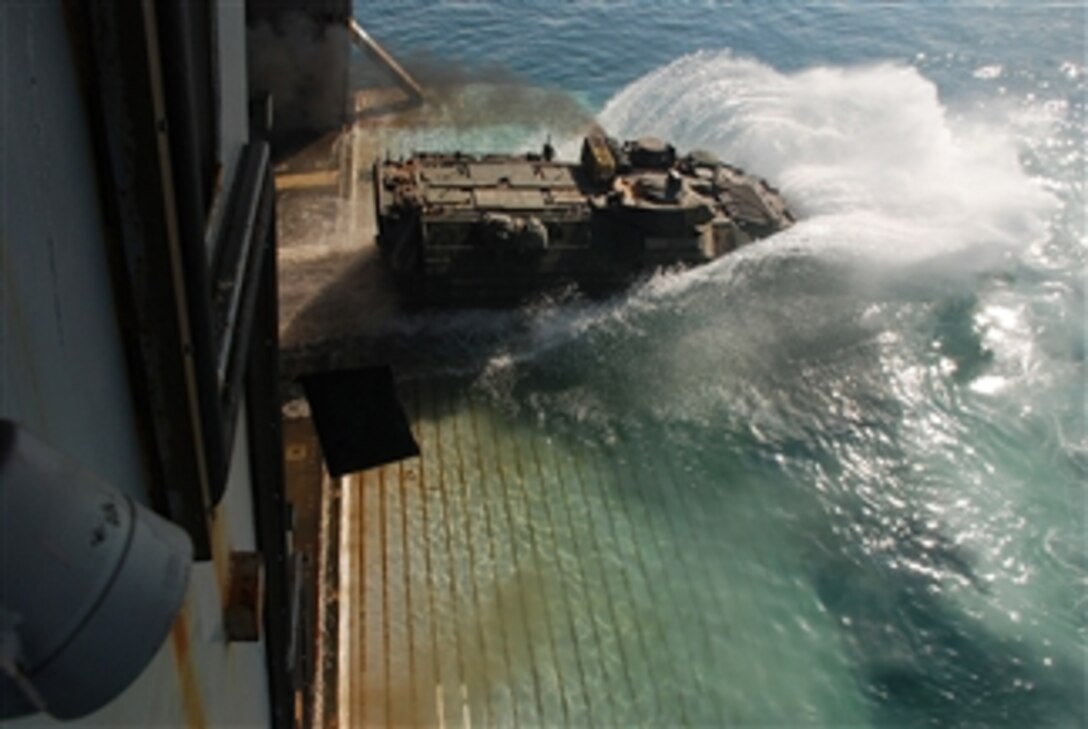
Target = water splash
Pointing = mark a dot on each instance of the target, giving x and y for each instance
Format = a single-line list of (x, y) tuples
[(844, 408), (869, 155), (850, 366), (892, 188)]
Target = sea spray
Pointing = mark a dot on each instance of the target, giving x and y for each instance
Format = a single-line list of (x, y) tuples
[(827, 364), (875, 422), (879, 169), (869, 155), (842, 408)]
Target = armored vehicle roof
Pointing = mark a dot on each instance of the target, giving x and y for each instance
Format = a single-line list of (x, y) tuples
[(486, 229)]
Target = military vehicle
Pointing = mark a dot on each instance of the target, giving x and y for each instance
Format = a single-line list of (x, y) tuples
[(494, 230)]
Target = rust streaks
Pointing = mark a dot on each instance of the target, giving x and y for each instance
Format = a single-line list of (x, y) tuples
[(192, 703)]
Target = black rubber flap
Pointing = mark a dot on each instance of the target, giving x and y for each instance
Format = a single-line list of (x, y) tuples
[(359, 420)]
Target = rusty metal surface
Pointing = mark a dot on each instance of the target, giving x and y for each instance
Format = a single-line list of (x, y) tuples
[(499, 580), (192, 704)]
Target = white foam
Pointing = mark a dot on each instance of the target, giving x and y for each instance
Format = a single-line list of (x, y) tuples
[(869, 156), (990, 72)]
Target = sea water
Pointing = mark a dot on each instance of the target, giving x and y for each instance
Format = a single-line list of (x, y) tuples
[(875, 422)]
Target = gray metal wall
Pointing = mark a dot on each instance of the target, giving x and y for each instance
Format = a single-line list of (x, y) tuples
[(62, 368), (63, 371)]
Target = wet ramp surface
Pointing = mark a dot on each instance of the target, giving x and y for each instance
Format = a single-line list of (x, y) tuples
[(512, 577)]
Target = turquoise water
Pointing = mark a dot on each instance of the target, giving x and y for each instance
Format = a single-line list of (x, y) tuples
[(874, 425)]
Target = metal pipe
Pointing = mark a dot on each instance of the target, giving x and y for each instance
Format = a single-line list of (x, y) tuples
[(362, 39)]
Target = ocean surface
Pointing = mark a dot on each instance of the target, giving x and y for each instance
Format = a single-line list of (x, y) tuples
[(875, 422)]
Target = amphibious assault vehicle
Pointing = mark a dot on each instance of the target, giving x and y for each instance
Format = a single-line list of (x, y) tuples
[(493, 230)]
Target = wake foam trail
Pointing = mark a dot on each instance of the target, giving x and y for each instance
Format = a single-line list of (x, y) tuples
[(868, 156)]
